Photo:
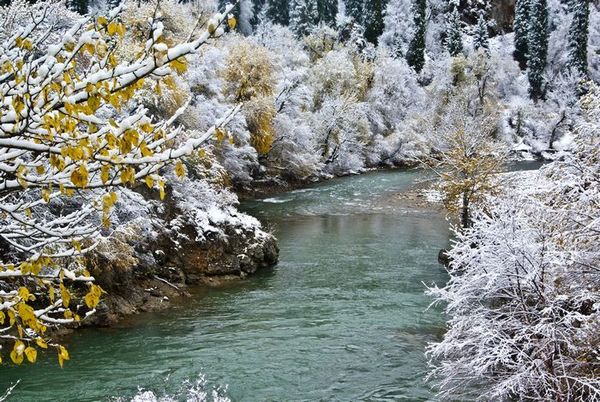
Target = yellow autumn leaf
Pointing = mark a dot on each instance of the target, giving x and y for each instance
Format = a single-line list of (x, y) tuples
[(105, 174), (16, 355), (80, 176), (149, 181), (161, 189), (180, 170), (41, 343), (231, 21), (24, 293), (179, 65), (31, 354), (112, 28), (145, 150), (46, 195), (65, 295), (16, 358)]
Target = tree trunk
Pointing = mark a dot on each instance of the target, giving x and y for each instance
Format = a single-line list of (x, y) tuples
[(465, 217)]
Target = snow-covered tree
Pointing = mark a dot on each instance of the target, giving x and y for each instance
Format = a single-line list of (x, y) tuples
[(578, 36), (521, 29), (304, 15), (537, 45), (70, 127), (524, 291), (278, 11), (453, 41), (246, 16), (249, 79), (482, 36), (463, 129), (399, 27), (373, 19), (415, 56), (355, 9), (328, 10)]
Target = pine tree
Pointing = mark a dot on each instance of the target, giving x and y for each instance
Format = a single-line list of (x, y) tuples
[(482, 37), (415, 56), (260, 8), (278, 12), (454, 32), (80, 6), (328, 10), (373, 19), (538, 47), (304, 15), (521, 27), (355, 10), (578, 36)]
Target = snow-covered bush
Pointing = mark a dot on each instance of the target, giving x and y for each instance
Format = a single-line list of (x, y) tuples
[(524, 295)]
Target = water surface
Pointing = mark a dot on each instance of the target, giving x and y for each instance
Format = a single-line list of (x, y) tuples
[(342, 317)]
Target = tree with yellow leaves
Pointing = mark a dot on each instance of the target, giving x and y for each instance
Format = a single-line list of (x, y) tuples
[(466, 154), (69, 127), (249, 78)]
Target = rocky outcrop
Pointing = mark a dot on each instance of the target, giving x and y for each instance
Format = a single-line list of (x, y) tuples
[(152, 260), (147, 275)]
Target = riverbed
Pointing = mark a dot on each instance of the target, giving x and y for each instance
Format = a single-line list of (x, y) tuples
[(342, 316)]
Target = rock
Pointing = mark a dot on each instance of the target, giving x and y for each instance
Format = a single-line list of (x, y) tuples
[(128, 268), (444, 258)]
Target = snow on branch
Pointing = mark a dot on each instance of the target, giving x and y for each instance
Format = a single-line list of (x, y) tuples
[(70, 132)]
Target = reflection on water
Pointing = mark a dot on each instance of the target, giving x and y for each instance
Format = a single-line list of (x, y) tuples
[(342, 317)]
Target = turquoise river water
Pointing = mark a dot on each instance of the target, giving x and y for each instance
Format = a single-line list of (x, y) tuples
[(342, 317)]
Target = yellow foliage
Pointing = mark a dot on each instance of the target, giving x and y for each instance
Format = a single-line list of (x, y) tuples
[(180, 170), (65, 295), (249, 72), (231, 22), (63, 355), (92, 298), (80, 176), (260, 113)]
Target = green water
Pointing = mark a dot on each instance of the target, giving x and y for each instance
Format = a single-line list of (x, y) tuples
[(342, 317)]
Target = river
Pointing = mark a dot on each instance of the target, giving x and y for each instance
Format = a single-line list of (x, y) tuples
[(342, 317)]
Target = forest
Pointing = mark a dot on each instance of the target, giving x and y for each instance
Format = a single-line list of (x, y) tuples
[(137, 136)]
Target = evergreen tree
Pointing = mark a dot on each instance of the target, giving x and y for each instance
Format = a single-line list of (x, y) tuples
[(399, 26), (304, 15), (538, 47), (482, 37), (278, 11), (355, 10), (260, 8), (415, 56), (578, 36), (80, 6), (454, 32), (521, 28), (373, 11), (328, 10)]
